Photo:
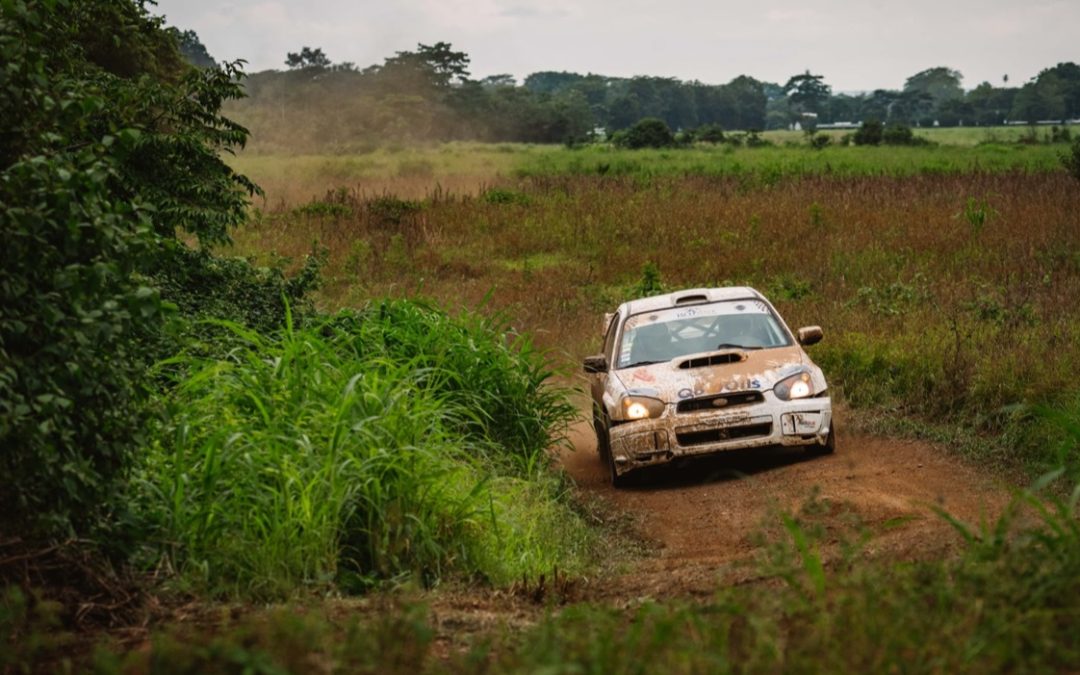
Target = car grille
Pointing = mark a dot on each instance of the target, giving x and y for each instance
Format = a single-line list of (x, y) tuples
[(723, 434), (720, 401)]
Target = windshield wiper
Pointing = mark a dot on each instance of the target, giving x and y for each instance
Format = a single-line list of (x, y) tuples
[(645, 363), (732, 345)]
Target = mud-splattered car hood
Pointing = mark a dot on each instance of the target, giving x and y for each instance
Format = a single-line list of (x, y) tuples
[(692, 376)]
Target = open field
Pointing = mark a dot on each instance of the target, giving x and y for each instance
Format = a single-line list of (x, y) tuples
[(945, 295), (955, 136), (465, 168)]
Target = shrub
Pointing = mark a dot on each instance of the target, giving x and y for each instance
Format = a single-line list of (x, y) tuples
[(898, 134), (709, 133), (648, 133), (1071, 160), (869, 133)]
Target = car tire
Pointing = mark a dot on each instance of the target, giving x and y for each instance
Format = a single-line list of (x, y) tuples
[(827, 449), (617, 481), (603, 437)]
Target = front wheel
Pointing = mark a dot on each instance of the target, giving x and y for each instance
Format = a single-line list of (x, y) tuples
[(828, 448)]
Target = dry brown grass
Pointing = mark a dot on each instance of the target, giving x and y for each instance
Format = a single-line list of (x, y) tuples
[(944, 295)]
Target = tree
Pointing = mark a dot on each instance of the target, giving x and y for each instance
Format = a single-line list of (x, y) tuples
[(109, 149), (307, 58), (496, 81), (1066, 78), (550, 82), (913, 107), (192, 48), (878, 105), (990, 105), (1040, 99), (807, 93), (940, 84), (748, 103)]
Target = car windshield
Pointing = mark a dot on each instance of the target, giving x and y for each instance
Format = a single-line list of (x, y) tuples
[(666, 334)]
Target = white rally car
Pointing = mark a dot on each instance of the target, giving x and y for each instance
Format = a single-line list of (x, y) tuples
[(702, 371)]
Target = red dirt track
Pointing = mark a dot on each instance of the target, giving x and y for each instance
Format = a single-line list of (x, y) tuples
[(702, 522)]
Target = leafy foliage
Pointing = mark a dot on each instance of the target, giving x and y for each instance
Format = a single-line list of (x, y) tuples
[(109, 148)]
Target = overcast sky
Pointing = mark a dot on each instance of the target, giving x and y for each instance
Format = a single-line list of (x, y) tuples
[(855, 44)]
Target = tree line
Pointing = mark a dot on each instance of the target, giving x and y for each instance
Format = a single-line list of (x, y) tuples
[(429, 94)]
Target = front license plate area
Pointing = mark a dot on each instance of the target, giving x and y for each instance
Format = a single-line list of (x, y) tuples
[(800, 424)]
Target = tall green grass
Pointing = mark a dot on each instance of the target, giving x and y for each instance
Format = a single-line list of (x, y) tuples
[(392, 441)]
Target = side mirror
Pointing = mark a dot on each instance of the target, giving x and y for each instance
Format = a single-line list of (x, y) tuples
[(596, 364), (810, 335)]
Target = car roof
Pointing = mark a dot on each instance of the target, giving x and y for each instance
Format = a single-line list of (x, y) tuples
[(690, 296)]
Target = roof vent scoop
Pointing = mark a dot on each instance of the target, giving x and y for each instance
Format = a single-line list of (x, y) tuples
[(691, 299)]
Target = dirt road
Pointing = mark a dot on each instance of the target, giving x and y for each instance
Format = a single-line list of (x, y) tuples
[(703, 523)]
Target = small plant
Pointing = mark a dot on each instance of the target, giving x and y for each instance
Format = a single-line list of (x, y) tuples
[(392, 210), (977, 212), (650, 283), (498, 195), (789, 287)]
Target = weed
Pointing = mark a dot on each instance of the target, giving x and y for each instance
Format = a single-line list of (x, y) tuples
[(649, 284), (977, 212)]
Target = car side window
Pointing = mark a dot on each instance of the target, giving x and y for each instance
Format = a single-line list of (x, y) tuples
[(609, 339)]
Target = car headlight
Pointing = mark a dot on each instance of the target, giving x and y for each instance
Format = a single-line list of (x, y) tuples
[(798, 385), (640, 407)]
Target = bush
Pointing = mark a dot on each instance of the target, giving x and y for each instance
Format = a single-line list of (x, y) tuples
[(869, 133), (648, 133), (1071, 160), (709, 133), (898, 134)]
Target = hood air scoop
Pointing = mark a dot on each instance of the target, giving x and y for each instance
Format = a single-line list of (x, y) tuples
[(713, 360)]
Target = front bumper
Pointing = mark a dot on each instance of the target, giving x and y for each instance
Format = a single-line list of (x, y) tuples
[(674, 435)]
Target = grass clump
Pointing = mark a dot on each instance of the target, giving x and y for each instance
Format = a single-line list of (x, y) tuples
[(395, 441)]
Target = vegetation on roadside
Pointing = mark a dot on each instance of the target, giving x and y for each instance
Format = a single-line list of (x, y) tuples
[(366, 446), (188, 412), (1006, 602)]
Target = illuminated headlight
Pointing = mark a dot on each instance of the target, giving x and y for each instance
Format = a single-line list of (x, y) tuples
[(640, 407), (798, 385)]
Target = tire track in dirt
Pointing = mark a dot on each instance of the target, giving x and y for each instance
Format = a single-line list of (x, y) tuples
[(702, 522)]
